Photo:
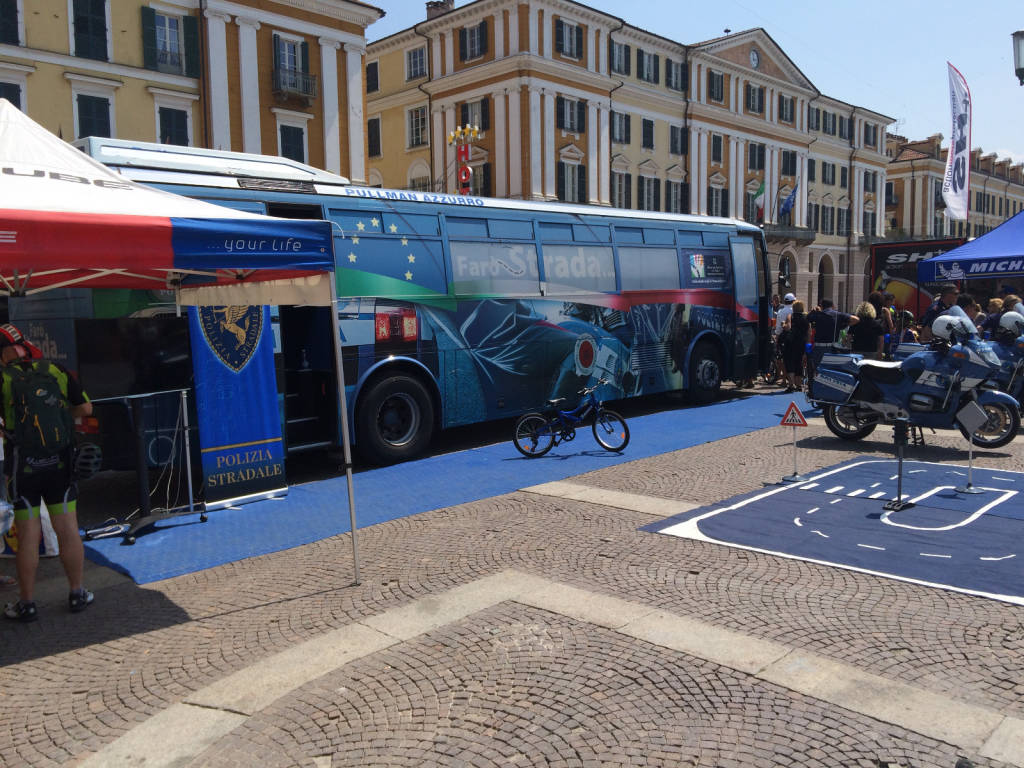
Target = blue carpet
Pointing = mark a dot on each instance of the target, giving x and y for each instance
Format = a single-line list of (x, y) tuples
[(315, 511)]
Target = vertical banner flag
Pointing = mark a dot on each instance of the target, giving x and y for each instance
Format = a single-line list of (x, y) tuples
[(236, 402), (787, 204), (759, 202), (958, 159)]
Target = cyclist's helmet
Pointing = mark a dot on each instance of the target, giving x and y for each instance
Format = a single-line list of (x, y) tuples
[(945, 326), (1012, 322)]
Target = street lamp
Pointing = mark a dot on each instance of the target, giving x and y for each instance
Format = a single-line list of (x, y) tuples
[(1018, 54)]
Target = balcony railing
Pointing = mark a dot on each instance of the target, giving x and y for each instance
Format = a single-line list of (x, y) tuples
[(789, 232), (294, 82)]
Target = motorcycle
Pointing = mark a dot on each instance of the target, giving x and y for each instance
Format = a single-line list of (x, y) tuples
[(927, 389)]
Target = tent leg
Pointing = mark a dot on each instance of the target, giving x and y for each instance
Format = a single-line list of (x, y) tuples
[(345, 443)]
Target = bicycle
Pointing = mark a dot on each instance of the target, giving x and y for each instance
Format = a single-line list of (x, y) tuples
[(536, 433)]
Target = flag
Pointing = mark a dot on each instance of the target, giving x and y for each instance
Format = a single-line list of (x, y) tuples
[(789, 202), (958, 159), (759, 201)]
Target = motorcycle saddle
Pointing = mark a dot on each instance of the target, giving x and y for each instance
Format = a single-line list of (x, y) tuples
[(882, 372)]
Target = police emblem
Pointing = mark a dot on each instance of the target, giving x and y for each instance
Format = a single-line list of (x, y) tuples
[(232, 333)]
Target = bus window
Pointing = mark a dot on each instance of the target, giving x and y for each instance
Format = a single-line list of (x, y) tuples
[(459, 226), (692, 239), (648, 269), (719, 239), (745, 269), (490, 269), (249, 206), (355, 222), (410, 224), (550, 231), (500, 229), (592, 233), (707, 268), (578, 267), (659, 236), (629, 235)]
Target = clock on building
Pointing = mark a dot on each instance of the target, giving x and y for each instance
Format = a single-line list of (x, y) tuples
[(755, 58)]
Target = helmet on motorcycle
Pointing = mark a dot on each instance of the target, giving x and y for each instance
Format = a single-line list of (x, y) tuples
[(1013, 322), (946, 326)]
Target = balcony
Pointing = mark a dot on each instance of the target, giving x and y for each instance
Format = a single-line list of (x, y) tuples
[(294, 82), (787, 232), (891, 201)]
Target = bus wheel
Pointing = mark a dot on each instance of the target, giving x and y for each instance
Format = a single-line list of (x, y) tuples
[(705, 373), (394, 420)]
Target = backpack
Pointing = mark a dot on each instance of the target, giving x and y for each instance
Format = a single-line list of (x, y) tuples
[(38, 417)]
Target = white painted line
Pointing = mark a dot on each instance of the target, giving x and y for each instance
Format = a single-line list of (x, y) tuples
[(808, 486), (875, 485), (798, 523), (857, 492), (894, 477), (871, 546), (812, 511), (1004, 557), (915, 471), (954, 472), (929, 554), (823, 535), (1004, 479), (836, 501), (1004, 495), (834, 489), (877, 495)]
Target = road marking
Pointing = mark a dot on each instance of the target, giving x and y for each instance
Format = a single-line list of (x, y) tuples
[(812, 511), (1005, 494), (875, 485), (834, 489), (929, 554), (835, 501), (798, 523), (915, 471), (857, 492), (877, 495), (1004, 479), (823, 535), (1004, 557), (808, 486), (871, 546)]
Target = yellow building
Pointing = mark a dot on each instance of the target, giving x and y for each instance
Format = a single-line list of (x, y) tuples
[(578, 105), (280, 76)]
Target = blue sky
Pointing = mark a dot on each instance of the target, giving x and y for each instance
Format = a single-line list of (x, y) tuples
[(886, 55)]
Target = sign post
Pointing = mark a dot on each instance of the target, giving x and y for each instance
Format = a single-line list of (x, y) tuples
[(973, 417), (794, 419)]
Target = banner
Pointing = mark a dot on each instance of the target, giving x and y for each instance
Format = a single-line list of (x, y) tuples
[(956, 183), (894, 269), (236, 402)]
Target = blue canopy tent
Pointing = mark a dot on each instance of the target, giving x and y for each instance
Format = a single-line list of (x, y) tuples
[(996, 254)]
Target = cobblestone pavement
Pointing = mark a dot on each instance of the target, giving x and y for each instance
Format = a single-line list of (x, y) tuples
[(513, 684)]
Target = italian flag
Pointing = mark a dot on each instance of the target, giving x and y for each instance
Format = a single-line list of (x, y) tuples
[(759, 201)]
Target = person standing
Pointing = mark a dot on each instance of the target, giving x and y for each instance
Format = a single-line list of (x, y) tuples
[(827, 322), (868, 334), (947, 298), (793, 349), (40, 399), (780, 324)]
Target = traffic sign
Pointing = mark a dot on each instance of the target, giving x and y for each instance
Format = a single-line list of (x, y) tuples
[(793, 417)]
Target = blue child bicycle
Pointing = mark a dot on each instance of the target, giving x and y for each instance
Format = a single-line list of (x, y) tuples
[(536, 433)]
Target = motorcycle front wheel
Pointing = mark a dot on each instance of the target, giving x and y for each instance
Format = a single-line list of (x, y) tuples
[(842, 421), (1000, 429)]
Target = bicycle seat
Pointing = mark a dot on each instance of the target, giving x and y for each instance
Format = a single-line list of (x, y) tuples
[(556, 401)]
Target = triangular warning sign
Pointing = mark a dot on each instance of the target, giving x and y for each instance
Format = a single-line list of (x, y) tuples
[(793, 417)]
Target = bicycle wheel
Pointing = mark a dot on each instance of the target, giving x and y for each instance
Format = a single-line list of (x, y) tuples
[(532, 435), (611, 431)]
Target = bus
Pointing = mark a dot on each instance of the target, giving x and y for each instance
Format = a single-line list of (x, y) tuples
[(455, 309)]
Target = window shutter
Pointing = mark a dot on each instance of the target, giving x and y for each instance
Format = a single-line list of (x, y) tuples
[(640, 63), (629, 190), (627, 129), (684, 73), (668, 74), (581, 184), (560, 191), (372, 81), (579, 41), (485, 189), (305, 57), (673, 140), (686, 141), (277, 51), (559, 112), (725, 202), (148, 37), (483, 37), (626, 59), (657, 194), (711, 84), (657, 69), (12, 93), (485, 114), (190, 30), (464, 114), (559, 36), (463, 44), (373, 137), (639, 193), (581, 116), (760, 157), (9, 22)]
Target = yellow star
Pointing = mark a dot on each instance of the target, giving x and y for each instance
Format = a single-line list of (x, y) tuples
[(375, 221), (408, 275), (412, 259), (355, 239), (405, 241), (352, 257), (393, 228), (360, 226)]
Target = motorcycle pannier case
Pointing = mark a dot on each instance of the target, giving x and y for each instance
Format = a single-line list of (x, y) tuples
[(831, 386)]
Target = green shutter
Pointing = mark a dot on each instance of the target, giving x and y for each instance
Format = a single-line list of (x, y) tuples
[(581, 180), (581, 116), (485, 188), (483, 37), (148, 38), (559, 112), (560, 191), (463, 45), (9, 22), (190, 32), (485, 114), (305, 57), (559, 36)]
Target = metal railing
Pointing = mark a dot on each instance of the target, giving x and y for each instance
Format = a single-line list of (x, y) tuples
[(294, 82)]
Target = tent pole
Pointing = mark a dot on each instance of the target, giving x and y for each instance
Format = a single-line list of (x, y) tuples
[(346, 445)]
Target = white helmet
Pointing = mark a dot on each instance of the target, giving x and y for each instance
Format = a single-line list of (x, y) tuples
[(946, 325), (1013, 322)]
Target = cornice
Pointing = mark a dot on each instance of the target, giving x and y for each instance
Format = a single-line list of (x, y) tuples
[(292, 24), (629, 34), (393, 42), (730, 68), (459, 17), (408, 97), (759, 36), (36, 57), (522, 65), (358, 13)]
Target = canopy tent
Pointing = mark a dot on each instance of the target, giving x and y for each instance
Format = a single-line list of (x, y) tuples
[(67, 220), (998, 253)]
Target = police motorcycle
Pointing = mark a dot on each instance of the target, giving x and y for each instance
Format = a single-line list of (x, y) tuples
[(927, 388)]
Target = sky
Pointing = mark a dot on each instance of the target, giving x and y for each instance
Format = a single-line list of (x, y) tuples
[(885, 55)]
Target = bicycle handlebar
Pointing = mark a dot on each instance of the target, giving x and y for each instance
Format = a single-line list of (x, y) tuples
[(588, 390)]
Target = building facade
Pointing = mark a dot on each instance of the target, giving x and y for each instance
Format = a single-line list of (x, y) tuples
[(913, 195), (281, 77), (578, 105)]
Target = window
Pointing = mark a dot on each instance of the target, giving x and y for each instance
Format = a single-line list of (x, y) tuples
[(480, 182), (620, 128), (9, 22), (813, 118), (648, 134), (828, 123), (786, 108), (870, 223), (11, 92), (373, 137), (90, 28), (372, 77), (621, 190), (828, 220), (572, 182), (587, 267), (788, 160), (716, 87), (813, 214), (648, 194), (620, 59), (716, 148), (170, 43), (679, 140), (871, 181), (828, 173), (676, 75), (291, 67), (845, 127), (677, 197), (568, 39), (718, 201), (417, 135), (473, 42), (843, 221), (173, 126), (416, 63), (750, 210), (755, 157), (647, 269), (419, 183), (755, 98), (482, 268), (571, 115), (93, 115), (890, 193), (870, 134), (292, 142), (811, 163), (477, 113), (647, 65), (844, 177)]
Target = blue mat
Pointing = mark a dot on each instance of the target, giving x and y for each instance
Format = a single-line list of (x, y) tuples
[(965, 542), (315, 511)]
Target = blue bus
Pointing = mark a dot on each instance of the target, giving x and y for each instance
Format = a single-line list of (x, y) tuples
[(456, 309)]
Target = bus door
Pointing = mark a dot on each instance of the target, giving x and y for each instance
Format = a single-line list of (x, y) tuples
[(747, 294), (306, 378)]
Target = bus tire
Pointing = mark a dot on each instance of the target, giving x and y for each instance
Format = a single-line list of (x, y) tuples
[(394, 420), (705, 372)]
